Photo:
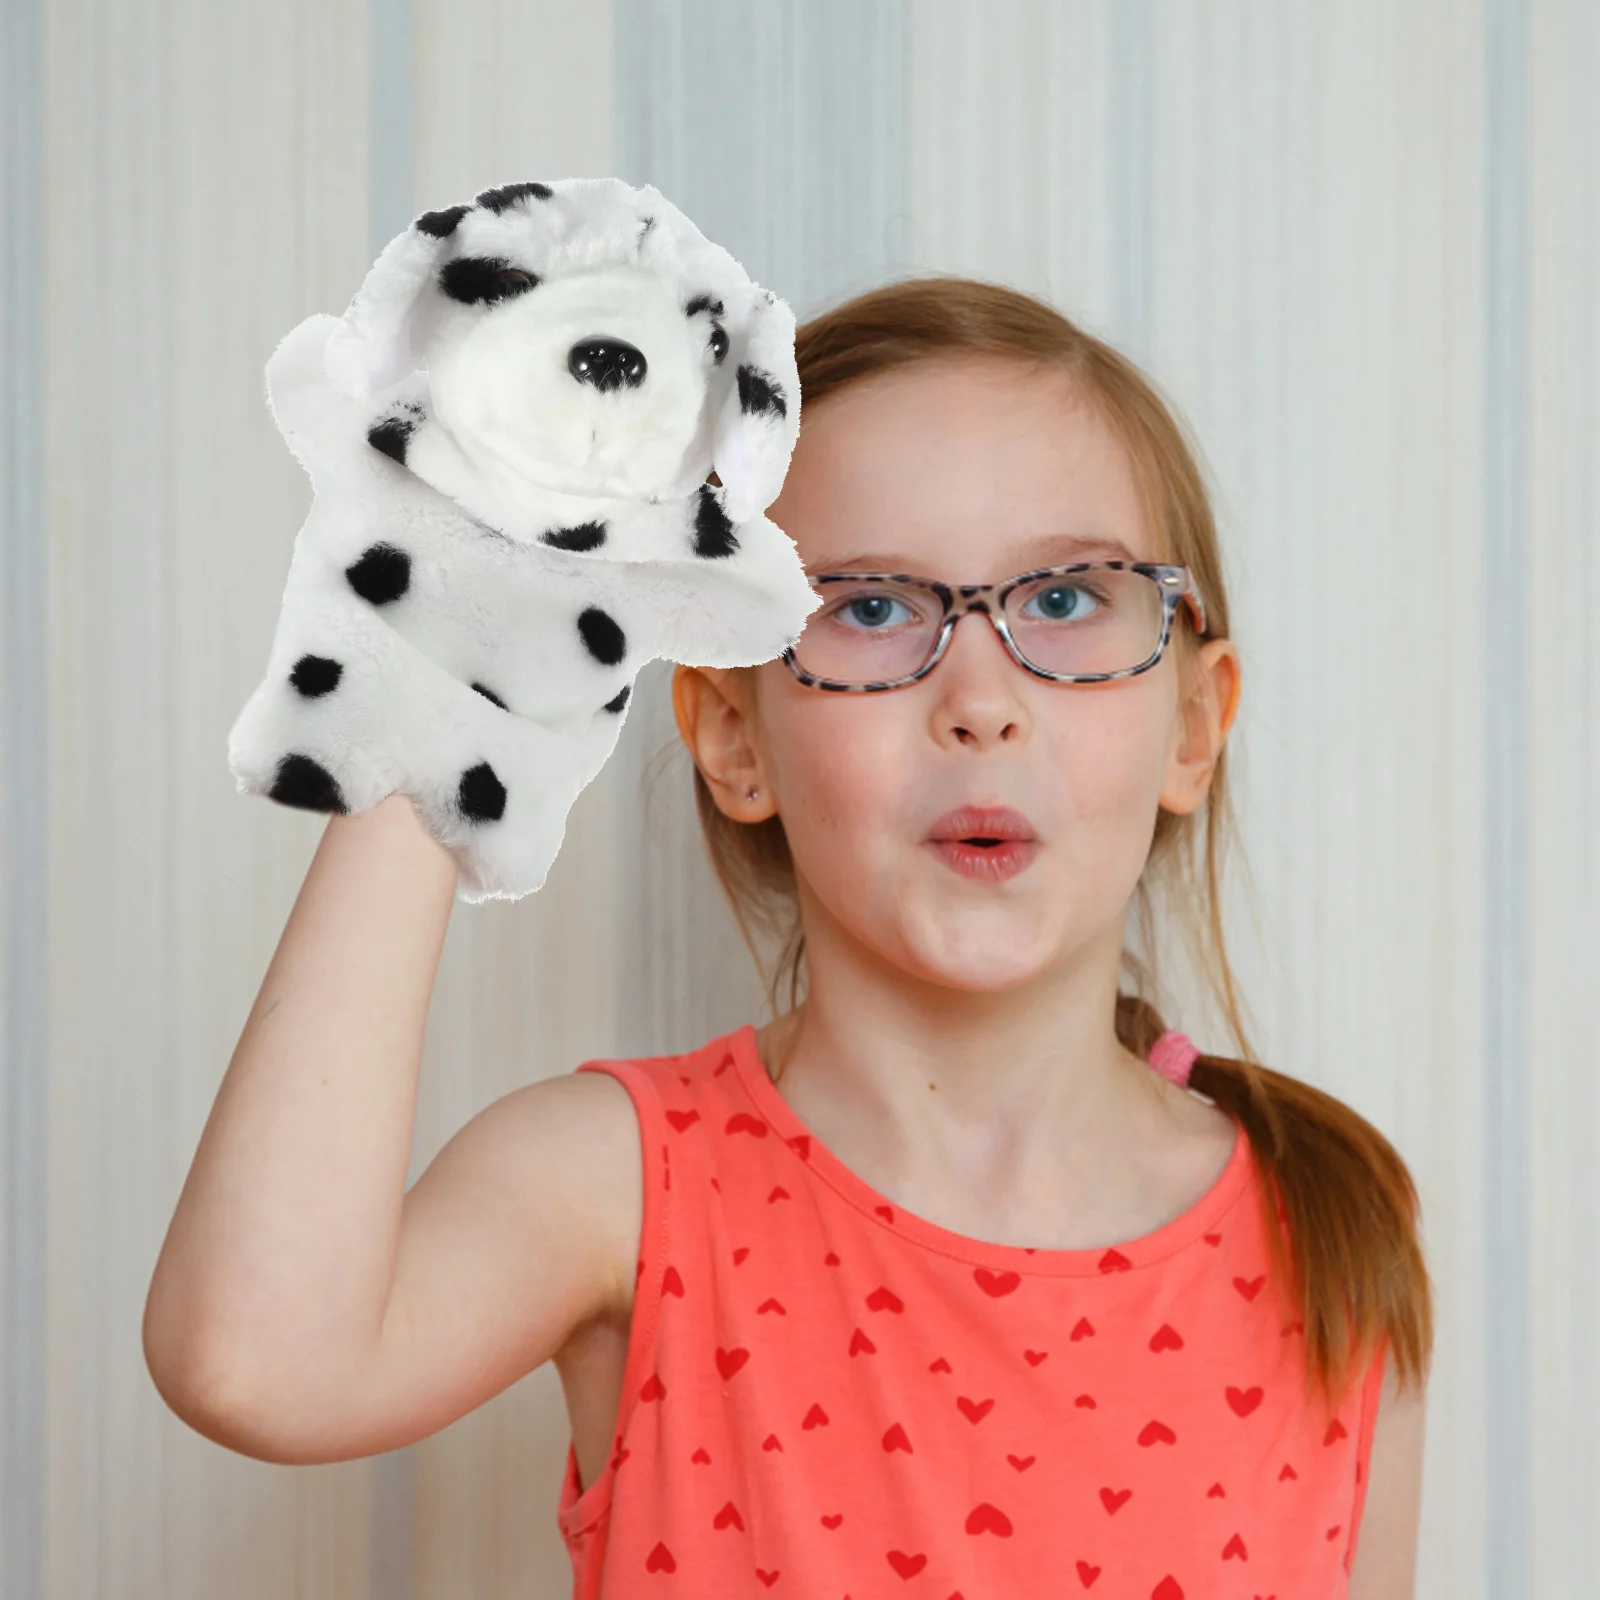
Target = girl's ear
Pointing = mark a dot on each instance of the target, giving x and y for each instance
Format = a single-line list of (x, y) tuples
[(756, 429), (1204, 720), (381, 337)]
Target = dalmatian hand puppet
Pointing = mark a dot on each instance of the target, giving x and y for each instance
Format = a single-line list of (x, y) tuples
[(510, 435)]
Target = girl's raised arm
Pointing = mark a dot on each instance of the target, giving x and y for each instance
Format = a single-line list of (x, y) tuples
[(305, 1307)]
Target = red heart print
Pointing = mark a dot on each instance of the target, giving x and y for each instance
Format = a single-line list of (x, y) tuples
[(895, 1439), (1212, 1239), (887, 1213), (1336, 1431), (1087, 1574), (1288, 1472), (859, 1341), (740, 1254), (729, 1361), (727, 1061), (1034, 1357), (985, 1518), (1244, 1401), (682, 1119), (729, 1514), (1086, 1402), (1333, 1532), (1083, 1328), (671, 1283), (816, 1417), (974, 1410), (619, 1458), (1166, 1337), (834, 1520), (939, 1365), (778, 1193), (907, 1566), (1167, 1589), (652, 1388), (770, 1304), (830, 1260), (1022, 1463), (1114, 1499), (660, 1560), (1234, 1550), (743, 1122), (1297, 1326), (1216, 1492), (768, 1578), (996, 1283), (801, 1145), (1249, 1287), (1115, 1261), (1156, 1433), (884, 1300), (700, 1457), (772, 1442), (685, 1081)]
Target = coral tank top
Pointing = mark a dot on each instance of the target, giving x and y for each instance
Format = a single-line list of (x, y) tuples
[(827, 1397)]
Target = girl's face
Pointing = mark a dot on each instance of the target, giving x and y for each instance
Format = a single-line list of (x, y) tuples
[(961, 471)]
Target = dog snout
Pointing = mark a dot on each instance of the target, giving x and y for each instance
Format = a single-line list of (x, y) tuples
[(606, 363)]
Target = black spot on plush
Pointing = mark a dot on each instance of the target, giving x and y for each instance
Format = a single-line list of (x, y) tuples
[(390, 437), (713, 532), (604, 639), (496, 200), (759, 393), (441, 224), (315, 676), (581, 489), (300, 782), (382, 574), (481, 795), (586, 536)]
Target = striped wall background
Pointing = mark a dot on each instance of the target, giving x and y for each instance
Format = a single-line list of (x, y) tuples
[(1357, 245)]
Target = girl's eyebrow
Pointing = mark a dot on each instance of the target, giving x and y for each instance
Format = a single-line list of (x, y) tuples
[(1058, 548)]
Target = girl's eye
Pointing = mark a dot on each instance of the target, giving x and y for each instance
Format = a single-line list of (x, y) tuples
[(1066, 602), (719, 343), (871, 610)]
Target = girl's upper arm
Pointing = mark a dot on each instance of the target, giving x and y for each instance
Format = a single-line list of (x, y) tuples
[(1386, 1546)]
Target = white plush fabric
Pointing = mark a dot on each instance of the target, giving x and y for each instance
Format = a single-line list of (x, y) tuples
[(509, 520)]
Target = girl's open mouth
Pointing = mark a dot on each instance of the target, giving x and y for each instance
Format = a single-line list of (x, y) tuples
[(988, 860)]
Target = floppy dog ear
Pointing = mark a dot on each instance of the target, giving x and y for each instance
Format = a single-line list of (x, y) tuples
[(755, 431), (380, 338)]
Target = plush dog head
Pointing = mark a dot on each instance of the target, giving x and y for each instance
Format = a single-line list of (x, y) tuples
[(582, 336)]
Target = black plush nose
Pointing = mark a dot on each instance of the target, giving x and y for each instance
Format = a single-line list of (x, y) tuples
[(606, 363)]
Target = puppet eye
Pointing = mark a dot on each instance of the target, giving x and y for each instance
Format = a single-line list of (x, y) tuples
[(510, 281), (719, 342)]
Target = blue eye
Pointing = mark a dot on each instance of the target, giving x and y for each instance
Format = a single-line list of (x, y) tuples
[(1070, 608), (874, 603)]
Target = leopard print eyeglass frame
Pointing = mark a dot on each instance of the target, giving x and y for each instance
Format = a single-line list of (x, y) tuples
[(1173, 584)]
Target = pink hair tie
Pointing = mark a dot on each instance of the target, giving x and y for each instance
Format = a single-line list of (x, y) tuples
[(1172, 1055)]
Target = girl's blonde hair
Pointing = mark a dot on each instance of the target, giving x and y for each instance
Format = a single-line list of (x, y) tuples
[(1347, 1256)]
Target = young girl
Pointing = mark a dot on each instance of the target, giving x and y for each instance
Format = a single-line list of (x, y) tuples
[(964, 1278)]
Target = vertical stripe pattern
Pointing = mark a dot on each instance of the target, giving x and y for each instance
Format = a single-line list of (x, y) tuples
[(24, 836), (1505, 832)]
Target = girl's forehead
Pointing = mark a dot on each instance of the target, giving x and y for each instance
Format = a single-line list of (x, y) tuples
[(963, 462)]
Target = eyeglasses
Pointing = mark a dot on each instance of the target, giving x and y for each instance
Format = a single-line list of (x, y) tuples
[(1086, 623)]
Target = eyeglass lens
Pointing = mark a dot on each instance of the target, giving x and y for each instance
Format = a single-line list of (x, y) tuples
[(872, 630)]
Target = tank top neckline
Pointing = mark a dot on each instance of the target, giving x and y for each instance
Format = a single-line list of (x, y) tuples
[(1188, 1228)]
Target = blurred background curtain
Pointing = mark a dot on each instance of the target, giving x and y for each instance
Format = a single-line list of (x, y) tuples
[(1358, 247)]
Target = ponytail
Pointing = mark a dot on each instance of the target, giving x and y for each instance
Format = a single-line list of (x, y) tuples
[(1341, 1210)]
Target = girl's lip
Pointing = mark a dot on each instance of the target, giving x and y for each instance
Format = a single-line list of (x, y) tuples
[(981, 822)]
